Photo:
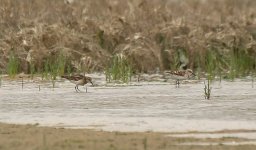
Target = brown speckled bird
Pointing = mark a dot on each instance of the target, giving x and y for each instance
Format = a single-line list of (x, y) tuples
[(78, 80), (180, 75)]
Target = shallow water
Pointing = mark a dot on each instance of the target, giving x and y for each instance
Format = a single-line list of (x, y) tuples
[(144, 106)]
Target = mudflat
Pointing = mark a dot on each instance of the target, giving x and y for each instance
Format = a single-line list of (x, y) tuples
[(34, 137)]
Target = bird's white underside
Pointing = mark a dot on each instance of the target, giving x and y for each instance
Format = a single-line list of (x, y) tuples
[(79, 82)]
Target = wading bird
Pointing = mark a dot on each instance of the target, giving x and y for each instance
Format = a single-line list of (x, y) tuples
[(78, 80), (180, 75)]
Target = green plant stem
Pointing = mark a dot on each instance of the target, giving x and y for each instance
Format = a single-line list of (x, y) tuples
[(207, 89)]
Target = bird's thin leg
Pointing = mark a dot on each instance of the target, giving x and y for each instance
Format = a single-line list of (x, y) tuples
[(75, 88), (78, 89), (177, 83), (85, 87)]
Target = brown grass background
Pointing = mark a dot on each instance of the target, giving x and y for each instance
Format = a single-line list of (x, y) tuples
[(148, 32)]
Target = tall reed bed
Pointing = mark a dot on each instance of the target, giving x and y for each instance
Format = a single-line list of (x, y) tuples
[(119, 69)]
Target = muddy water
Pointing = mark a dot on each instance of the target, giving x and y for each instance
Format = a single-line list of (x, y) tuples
[(144, 106)]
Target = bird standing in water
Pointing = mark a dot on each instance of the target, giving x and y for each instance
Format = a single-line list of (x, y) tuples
[(78, 80)]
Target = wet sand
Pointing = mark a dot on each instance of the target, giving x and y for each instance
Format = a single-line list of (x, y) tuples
[(145, 106), (145, 109)]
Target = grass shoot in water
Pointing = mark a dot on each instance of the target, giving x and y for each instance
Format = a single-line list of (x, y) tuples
[(207, 89)]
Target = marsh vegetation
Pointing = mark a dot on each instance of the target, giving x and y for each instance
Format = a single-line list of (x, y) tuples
[(215, 37), (46, 39)]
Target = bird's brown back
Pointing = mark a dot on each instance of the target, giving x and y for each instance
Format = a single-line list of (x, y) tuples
[(73, 77), (80, 78), (177, 73)]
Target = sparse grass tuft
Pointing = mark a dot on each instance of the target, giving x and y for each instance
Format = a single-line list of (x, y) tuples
[(210, 64), (61, 63), (241, 62), (53, 73), (55, 66), (13, 65), (46, 70), (119, 69)]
